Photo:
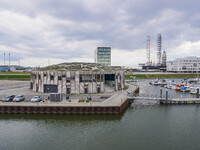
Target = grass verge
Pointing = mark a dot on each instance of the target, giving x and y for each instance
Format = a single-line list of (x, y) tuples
[(153, 76), (14, 77), (5, 73)]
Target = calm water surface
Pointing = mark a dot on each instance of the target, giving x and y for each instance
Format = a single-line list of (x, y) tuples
[(144, 125)]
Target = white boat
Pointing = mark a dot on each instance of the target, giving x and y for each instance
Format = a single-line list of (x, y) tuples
[(170, 84), (161, 82), (195, 80), (185, 89), (154, 82), (193, 90), (173, 87)]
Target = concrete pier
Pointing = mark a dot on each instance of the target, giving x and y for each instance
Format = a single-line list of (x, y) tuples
[(112, 105)]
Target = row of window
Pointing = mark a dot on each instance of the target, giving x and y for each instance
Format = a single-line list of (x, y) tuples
[(103, 61), (91, 78), (104, 49), (185, 69), (83, 78), (190, 61), (104, 56), (108, 53)]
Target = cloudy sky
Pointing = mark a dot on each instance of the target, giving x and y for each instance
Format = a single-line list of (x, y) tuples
[(38, 32)]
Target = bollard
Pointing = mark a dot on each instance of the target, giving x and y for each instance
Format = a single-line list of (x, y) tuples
[(197, 92), (166, 95), (161, 93)]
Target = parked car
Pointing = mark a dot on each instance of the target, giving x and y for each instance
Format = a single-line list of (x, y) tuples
[(36, 99), (19, 98), (8, 98)]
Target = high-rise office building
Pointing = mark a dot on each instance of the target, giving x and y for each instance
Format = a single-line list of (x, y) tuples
[(103, 56)]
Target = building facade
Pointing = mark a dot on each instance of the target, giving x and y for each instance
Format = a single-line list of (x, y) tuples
[(184, 65), (86, 78), (103, 56)]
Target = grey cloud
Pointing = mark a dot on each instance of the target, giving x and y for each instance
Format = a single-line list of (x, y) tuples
[(119, 24)]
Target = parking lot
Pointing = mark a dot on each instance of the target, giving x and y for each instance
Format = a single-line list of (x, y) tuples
[(22, 88)]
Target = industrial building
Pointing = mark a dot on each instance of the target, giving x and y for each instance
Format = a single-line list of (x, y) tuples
[(103, 56), (77, 78), (14, 68), (184, 65), (4, 68)]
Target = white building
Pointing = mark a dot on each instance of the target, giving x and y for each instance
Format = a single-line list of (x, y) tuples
[(184, 65)]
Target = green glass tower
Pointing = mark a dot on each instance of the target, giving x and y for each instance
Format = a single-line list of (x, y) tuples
[(103, 56)]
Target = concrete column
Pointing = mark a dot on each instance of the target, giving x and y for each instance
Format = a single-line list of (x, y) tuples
[(161, 93), (166, 95)]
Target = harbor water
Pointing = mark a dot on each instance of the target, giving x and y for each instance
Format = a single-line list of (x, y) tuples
[(144, 125)]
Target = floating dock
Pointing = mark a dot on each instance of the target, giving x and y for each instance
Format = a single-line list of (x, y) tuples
[(181, 101)]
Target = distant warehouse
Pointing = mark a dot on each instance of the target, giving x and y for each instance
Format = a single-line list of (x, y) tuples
[(184, 65), (76, 78), (14, 68)]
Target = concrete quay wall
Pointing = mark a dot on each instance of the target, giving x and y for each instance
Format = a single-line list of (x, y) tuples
[(64, 109), (114, 105)]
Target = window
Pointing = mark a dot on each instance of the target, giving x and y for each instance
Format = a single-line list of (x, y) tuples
[(81, 78), (87, 78), (98, 78), (59, 78), (63, 76), (51, 77), (68, 80), (72, 77)]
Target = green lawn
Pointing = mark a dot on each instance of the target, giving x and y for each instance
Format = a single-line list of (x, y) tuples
[(4, 73), (153, 76), (14, 77)]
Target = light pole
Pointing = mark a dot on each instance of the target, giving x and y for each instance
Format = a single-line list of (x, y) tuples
[(4, 59), (9, 59)]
